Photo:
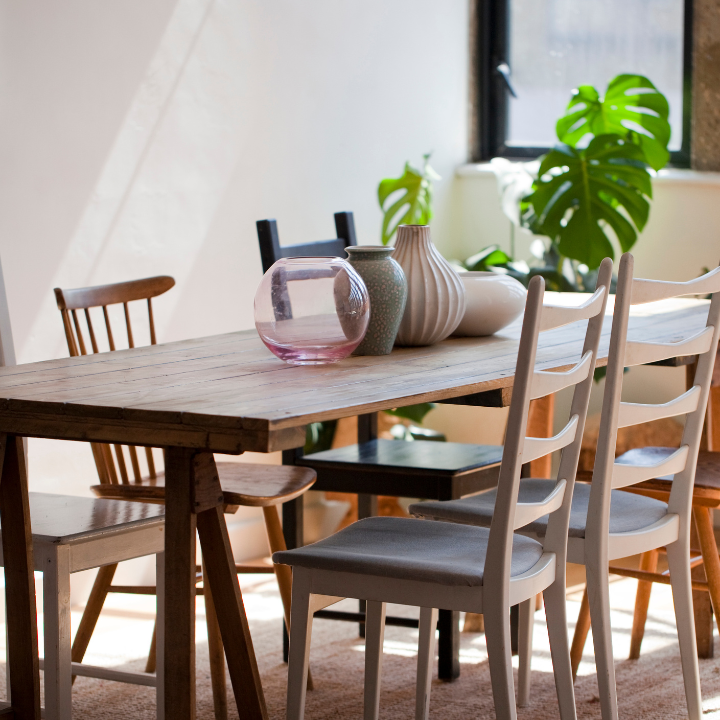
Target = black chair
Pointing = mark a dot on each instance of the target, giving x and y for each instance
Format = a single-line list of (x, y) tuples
[(419, 469)]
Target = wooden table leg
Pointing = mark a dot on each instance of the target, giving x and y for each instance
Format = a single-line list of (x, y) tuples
[(179, 664), (221, 575), (19, 581)]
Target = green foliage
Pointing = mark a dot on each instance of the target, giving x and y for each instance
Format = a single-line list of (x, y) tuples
[(414, 204), (578, 194), (632, 108), (414, 413), (490, 257), (319, 436)]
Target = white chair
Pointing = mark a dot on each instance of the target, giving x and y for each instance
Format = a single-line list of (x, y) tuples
[(71, 534), (458, 567), (606, 523)]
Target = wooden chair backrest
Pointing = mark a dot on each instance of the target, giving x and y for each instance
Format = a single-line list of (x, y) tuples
[(624, 352), (112, 470), (271, 252), (531, 383)]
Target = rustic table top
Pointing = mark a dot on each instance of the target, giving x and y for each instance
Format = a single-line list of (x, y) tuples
[(228, 393)]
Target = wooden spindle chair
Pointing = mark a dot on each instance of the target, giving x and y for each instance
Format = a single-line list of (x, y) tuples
[(246, 484)]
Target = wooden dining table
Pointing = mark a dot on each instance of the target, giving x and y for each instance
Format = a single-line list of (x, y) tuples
[(229, 394)]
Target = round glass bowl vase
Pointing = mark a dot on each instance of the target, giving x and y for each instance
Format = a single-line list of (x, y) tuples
[(311, 310)]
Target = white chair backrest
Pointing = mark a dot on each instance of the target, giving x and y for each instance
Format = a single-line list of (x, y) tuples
[(531, 383), (626, 352)]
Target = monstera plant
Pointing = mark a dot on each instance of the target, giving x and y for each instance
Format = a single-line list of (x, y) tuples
[(407, 200), (598, 178)]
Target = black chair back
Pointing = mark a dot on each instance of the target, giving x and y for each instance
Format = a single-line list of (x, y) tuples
[(271, 252)]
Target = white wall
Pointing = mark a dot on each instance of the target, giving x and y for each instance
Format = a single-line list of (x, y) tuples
[(139, 138)]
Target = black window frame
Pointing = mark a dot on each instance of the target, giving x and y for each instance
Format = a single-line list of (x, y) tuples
[(492, 37)]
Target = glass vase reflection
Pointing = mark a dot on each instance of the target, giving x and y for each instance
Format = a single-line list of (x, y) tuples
[(311, 310)]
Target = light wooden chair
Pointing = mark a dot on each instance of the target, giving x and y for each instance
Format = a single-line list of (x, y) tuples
[(608, 523), (455, 566), (253, 485)]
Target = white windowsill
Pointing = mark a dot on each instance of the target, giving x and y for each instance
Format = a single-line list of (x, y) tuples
[(669, 175)]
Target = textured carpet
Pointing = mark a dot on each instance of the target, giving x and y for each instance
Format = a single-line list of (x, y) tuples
[(649, 688)]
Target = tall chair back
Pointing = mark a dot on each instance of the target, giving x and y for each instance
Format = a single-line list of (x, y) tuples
[(531, 383), (625, 352), (111, 469), (271, 251)]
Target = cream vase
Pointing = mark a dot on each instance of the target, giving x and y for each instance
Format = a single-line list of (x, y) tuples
[(436, 295)]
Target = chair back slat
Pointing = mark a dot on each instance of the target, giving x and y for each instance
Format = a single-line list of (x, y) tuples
[(555, 316), (642, 353), (91, 331), (128, 324), (548, 383), (637, 413), (111, 461), (535, 448), (625, 475), (526, 513), (108, 327), (271, 251), (645, 291), (624, 351), (78, 333), (509, 514)]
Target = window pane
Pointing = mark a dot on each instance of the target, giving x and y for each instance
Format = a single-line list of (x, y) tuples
[(556, 45)]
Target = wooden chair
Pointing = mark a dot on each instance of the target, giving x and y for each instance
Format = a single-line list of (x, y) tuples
[(425, 469), (704, 559), (265, 486), (451, 565)]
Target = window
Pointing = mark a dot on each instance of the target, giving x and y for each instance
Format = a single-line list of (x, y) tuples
[(532, 54)]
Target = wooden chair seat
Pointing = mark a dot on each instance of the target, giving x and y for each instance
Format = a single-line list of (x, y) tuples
[(246, 484)]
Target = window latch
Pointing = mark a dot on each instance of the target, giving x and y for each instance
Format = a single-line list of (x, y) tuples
[(503, 70)]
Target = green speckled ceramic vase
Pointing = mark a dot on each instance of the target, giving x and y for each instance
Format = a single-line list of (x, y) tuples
[(387, 287)]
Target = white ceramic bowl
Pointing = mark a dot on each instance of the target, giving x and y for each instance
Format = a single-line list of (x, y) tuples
[(493, 302)]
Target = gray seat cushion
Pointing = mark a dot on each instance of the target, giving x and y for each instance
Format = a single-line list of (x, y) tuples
[(628, 512), (410, 549)]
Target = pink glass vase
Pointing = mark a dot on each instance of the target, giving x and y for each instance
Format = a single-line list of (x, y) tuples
[(311, 310)]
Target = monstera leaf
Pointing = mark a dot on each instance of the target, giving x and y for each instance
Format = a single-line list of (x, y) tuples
[(632, 104), (580, 193), (413, 205)]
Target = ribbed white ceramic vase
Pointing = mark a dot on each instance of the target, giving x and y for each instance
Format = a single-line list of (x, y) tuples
[(436, 295)]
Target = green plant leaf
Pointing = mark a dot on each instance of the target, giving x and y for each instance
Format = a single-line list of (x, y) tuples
[(580, 193), (632, 107), (414, 413), (414, 205), (491, 256)]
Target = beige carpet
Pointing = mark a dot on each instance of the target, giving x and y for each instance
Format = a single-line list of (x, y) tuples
[(648, 688)]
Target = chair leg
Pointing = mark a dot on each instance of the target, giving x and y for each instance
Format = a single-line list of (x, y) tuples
[(374, 636), (497, 638), (556, 614), (598, 590), (525, 638), (426, 654), (709, 550), (678, 554), (56, 610), (151, 663), (582, 628), (283, 573), (300, 635), (648, 563), (217, 655), (93, 608)]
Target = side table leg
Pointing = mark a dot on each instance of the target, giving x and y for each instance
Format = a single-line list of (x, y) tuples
[(449, 645), (179, 650), (19, 581)]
